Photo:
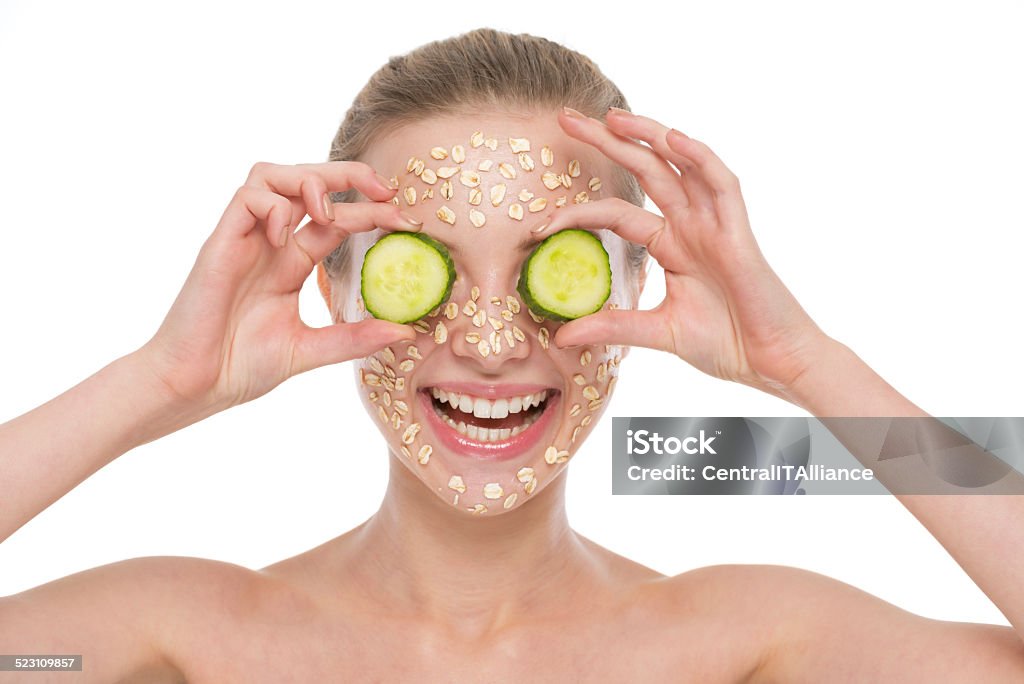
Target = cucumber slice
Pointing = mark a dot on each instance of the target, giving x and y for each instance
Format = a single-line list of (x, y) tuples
[(405, 276), (567, 276)]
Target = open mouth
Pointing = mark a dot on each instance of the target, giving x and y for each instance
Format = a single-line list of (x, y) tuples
[(488, 420), (489, 426)]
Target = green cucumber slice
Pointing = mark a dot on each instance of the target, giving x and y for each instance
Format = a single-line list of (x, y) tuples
[(405, 276), (567, 276)]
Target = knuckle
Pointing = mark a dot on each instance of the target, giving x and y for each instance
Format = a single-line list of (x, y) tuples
[(704, 213), (311, 184), (303, 181), (731, 181), (259, 169), (357, 168), (658, 236), (283, 205), (662, 225), (622, 207), (243, 193), (617, 202), (704, 153), (641, 173), (619, 205)]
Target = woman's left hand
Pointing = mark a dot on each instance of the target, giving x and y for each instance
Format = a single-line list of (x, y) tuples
[(725, 311)]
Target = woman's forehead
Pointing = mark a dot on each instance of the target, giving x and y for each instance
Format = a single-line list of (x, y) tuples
[(482, 136), (470, 179)]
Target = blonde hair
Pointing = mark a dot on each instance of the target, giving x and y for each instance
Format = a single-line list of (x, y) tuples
[(482, 69)]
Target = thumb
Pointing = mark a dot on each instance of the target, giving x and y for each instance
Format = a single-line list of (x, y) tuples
[(316, 347), (619, 327)]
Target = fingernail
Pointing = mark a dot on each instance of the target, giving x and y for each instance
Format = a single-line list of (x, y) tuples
[(541, 229), (412, 222), (284, 236), (616, 110), (387, 182), (328, 206), (680, 134), (569, 111)]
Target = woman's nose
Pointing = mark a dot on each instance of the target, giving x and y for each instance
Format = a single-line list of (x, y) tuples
[(488, 327)]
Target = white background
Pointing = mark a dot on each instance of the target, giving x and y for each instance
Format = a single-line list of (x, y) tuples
[(880, 153)]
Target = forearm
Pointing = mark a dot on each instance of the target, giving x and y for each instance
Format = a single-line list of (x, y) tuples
[(48, 451), (981, 531)]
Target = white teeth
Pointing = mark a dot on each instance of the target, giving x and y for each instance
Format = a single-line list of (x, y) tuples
[(484, 408), (481, 408), (499, 409), (485, 434)]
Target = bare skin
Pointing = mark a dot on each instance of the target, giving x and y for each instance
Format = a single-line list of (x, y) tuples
[(425, 589)]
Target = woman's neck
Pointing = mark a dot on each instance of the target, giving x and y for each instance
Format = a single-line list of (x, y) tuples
[(475, 573)]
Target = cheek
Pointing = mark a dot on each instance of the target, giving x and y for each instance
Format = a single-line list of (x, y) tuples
[(384, 385), (590, 375)]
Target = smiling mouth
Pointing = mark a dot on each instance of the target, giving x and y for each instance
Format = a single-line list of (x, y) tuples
[(488, 420)]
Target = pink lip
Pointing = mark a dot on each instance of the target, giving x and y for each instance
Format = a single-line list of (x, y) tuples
[(489, 451)]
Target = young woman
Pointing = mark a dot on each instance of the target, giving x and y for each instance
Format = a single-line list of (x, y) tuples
[(469, 569)]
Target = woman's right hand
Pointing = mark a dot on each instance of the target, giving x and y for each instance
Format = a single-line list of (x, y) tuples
[(234, 331)]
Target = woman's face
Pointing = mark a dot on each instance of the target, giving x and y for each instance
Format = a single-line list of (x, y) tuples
[(482, 407)]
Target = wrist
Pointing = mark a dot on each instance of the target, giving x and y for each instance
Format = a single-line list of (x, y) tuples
[(795, 374), (836, 382), (161, 409), (824, 361)]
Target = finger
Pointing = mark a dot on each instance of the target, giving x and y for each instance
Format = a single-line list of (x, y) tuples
[(654, 134), (316, 347), (725, 186), (312, 182), (720, 178), (317, 241), (624, 219), (248, 208), (656, 176), (619, 327)]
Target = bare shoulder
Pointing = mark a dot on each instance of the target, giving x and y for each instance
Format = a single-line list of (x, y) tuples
[(128, 619), (217, 611), (799, 625)]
